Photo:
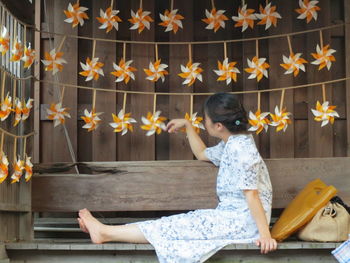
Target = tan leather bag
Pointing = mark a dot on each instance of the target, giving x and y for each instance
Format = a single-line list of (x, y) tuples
[(330, 224)]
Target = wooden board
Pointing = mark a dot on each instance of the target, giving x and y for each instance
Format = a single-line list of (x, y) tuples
[(172, 185)]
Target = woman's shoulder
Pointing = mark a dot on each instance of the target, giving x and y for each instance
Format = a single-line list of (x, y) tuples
[(241, 143)]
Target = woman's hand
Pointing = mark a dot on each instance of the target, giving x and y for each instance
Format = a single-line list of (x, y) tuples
[(266, 244), (176, 124)]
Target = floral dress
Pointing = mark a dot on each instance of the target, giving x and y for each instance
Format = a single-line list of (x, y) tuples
[(195, 236)]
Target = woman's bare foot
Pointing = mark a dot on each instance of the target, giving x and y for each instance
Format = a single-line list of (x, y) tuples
[(94, 227)]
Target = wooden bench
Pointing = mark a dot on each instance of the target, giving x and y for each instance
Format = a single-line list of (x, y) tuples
[(132, 191)]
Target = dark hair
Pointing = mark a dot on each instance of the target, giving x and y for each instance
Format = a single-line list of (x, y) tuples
[(228, 110)]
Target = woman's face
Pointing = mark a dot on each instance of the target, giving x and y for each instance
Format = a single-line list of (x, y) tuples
[(209, 125)]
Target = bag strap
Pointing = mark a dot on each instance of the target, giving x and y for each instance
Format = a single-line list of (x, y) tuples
[(337, 199)]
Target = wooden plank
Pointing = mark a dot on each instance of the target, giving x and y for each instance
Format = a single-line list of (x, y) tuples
[(347, 70), (10, 207), (140, 186), (301, 139), (103, 138)]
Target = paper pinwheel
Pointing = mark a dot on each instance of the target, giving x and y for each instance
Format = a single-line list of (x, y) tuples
[(123, 71), (293, 64), (4, 41), (17, 51), (257, 68), (258, 121), (6, 107), (76, 14), (171, 20), (18, 167), (215, 19), (190, 73), (323, 57), (57, 113), (92, 121), (153, 123), (325, 113), (280, 119), (195, 121), (28, 56), (109, 19), (268, 16), (245, 18), (4, 167), (156, 71), (140, 20), (227, 71), (308, 9), (28, 167), (123, 122), (92, 69), (53, 61)]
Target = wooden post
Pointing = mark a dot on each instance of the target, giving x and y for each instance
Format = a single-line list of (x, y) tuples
[(347, 69)]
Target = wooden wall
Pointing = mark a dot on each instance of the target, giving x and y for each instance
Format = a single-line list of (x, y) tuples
[(304, 138)]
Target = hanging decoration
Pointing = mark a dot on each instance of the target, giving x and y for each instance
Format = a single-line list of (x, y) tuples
[(227, 70), (57, 113), (75, 14), (4, 41), (140, 20), (268, 15), (308, 10), (109, 19), (294, 62), (281, 117), (192, 117), (124, 71), (156, 70), (18, 164), (53, 61), (18, 111), (92, 68), (171, 20), (153, 123), (4, 163), (324, 112), (324, 55), (123, 122), (28, 166), (245, 17), (17, 49), (257, 66), (28, 56), (215, 18), (192, 71), (92, 121), (259, 120)]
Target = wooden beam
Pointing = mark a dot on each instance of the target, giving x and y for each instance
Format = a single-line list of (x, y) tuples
[(20, 208), (347, 69)]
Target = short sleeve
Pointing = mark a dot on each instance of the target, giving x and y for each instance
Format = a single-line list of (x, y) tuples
[(214, 153), (247, 172)]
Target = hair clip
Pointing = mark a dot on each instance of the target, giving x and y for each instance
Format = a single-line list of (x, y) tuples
[(237, 122)]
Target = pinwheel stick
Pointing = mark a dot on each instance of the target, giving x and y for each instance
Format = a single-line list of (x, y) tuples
[(321, 39), (154, 103), (140, 4), (156, 49), (3, 85), (2, 142), (324, 92), (112, 2), (289, 45), (190, 52), (225, 50), (267, 2), (257, 48), (62, 93), (14, 148), (14, 89), (124, 101), (3, 18), (24, 147), (124, 51), (212, 4), (24, 34), (282, 99), (93, 49), (172, 5), (93, 99), (61, 44), (191, 105), (259, 100)]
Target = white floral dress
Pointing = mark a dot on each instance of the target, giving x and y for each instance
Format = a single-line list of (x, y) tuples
[(195, 236)]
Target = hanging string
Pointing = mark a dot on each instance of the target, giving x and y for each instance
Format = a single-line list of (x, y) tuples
[(15, 31), (154, 103), (16, 136), (212, 4), (321, 39), (225, 50), (93, 100), (112, 2), (156, 47), (24, 148), (3, 85), (324, 92), (61, 44), (3, 18), (14, 89), (124, 51), (259, 100), (189, 52), (62, 93), (171, 5), (267, 2), (282, 99), (191, 106), (257, 48), (2, 143), (124, 102), (14, 149), (289, 45), (93, 49), (140, 4)]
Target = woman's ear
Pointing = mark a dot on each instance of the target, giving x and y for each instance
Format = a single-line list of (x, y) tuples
[(219, 126)]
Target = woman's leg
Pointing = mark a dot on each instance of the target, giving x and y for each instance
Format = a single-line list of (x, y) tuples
[(101, 233)]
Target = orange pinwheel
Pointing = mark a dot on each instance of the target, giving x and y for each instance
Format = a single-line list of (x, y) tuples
[(28, 167), (293, 64), (156, 71), (258, 121), (280, 119), (123, 71), (153, 123), (76, 14), (109, 19), (18, 167), (227, 71), (28, 56), (57, 113), (140, 20), (190, 73), (92, 69), (26, 107), (4, 41), (6, 107), (245, 18), (308, 9), (18, 111), (215, 19), (122, 122), (171, 20), (257, 68), (323, 57), (325, 113), (268, 16), (4, 167), (17, 51), (53, 61), (195, 121), (92, 121)]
